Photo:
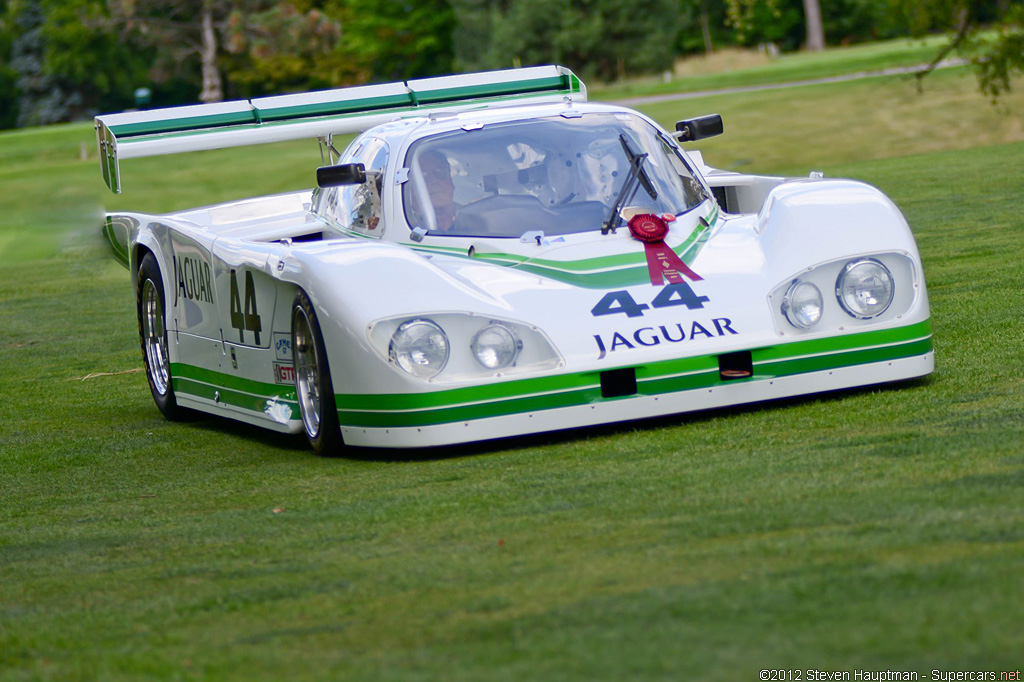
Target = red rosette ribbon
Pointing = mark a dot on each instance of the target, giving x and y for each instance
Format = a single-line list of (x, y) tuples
[(648, 228), (662, 262)]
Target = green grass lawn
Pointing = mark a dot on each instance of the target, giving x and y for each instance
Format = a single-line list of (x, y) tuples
[(788, 68), (873, 529)]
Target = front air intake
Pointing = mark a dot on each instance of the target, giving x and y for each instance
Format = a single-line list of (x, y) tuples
[(617, 383), (732, 366)]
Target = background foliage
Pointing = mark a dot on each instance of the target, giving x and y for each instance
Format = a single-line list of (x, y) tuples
[(63, 60)]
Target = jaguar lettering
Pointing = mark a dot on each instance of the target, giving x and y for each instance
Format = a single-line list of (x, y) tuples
[(194, 280), (665, 333)]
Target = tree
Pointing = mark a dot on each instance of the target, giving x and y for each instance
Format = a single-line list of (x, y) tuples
[(701, 25), (8, 76), (185, 30), (283, 48), (995, 60), (42, 99), (780, 22), (100, 66), (815, 29), (391, 40), (606, 39)]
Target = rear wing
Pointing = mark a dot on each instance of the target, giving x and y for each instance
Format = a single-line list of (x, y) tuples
[(318, 114)]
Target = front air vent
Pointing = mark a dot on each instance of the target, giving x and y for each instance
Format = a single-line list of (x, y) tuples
[(732, 366), (617, 383), (721, 198)]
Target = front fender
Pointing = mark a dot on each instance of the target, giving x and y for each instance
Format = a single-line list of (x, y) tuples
[(807, 221)]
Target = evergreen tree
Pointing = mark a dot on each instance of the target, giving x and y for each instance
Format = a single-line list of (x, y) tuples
[(42, 99), (8, 77)]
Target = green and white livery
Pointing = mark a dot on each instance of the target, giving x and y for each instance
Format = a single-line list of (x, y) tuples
[(494, 256)]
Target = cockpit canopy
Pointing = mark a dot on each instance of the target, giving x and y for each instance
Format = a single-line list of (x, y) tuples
[(557, 174)]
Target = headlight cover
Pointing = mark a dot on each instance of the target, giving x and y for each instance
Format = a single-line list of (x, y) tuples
[(420, 347), (449, 347), (879, 287), (496, 346), (802, 304), (865, 288)]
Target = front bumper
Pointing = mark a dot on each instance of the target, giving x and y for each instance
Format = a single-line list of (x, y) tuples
[(669, 387)]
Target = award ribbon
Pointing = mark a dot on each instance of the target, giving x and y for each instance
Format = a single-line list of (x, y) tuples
[(662, 262)]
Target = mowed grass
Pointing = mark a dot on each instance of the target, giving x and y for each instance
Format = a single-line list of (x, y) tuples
[(873, 529), (698, 73)]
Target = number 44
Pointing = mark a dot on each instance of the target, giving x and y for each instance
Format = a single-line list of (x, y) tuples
[(680, 293), (249, 320)]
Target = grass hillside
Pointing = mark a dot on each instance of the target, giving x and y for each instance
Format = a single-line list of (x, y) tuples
[(737, 69), (878, 529)]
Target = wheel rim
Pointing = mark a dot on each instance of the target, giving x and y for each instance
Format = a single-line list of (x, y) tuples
[(307, 374), (154, 337)]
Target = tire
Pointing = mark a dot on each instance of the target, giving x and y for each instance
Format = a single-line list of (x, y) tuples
[(313, 386), (149, 297)]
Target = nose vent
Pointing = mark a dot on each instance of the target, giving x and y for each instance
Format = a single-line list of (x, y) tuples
[(733, 366), (617, 383)]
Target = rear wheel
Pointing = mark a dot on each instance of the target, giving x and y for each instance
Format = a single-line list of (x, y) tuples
[(149, 295), (313, 380)]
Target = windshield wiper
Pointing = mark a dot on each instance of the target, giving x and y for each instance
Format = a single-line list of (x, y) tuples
[(636, 172), (645, 180)]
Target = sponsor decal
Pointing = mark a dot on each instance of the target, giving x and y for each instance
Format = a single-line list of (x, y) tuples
[(679, 293), (646, 337), (284, 373), (194, 280), (249, 318), (283, 346), (621, 301)]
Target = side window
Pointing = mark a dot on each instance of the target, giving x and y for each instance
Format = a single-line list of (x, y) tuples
[(358, 207), (693, 191)]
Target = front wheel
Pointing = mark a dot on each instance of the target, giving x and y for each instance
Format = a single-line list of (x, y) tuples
[(149, 296), (313, 380)]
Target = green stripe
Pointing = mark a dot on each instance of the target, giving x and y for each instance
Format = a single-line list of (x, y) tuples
[(555, 84), (120, 252), (671, 376), (845, 342), (619, 270), (842, 359), (367, 105), (181, 124), (236, 391)]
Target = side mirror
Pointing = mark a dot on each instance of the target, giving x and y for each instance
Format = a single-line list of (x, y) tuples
[(343, 174), (699, 128)]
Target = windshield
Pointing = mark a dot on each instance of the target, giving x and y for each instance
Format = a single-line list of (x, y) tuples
[(558, 175)]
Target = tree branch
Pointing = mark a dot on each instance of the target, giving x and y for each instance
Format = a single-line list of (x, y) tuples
[(963, 30)]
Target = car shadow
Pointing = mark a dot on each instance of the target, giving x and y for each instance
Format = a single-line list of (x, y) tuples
[(297, 444)]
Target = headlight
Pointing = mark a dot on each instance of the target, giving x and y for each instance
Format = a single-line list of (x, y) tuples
[(420, 347), (496, 346), (864, 288), (457, 347), (802, 304)]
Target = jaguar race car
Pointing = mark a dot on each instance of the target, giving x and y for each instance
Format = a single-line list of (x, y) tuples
[(494, 255)]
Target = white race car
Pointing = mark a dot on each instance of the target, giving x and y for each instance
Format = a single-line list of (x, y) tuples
[(495, 256)]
